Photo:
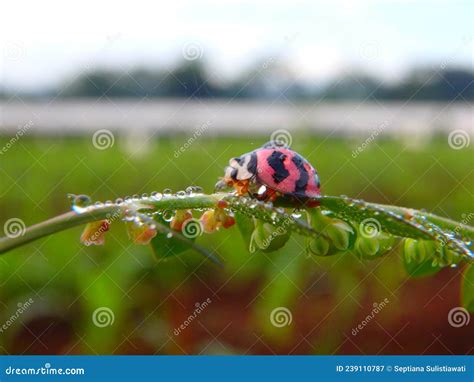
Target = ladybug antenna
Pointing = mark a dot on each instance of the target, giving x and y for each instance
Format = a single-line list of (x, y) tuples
[(220, 185)]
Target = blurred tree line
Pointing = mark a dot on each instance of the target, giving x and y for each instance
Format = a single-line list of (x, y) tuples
[(265, 81)]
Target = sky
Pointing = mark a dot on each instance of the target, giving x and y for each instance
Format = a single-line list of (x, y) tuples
[(43, 43)]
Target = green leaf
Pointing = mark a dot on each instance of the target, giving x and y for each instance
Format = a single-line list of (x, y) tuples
[(246, 226), (418, 257), (359, 211), (266, 212), (166, 245), (403, 222), (468, 289)]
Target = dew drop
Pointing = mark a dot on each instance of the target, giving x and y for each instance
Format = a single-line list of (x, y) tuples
[(156, 195), (169, 235), (78, 209), (128, 216), (181, 194), (168, 215), (167, 192), (144, 195), (118, 201)]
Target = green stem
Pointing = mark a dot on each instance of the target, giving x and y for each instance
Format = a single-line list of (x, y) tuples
[(94, 213)]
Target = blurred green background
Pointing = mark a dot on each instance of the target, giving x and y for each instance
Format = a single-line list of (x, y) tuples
[(150, 297)]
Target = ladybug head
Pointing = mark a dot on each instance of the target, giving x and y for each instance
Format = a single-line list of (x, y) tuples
[(241, 168)]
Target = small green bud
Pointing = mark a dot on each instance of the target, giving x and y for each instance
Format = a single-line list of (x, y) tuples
[(341, 234), (268, 237), (366, 247), (446, 256), (422, 257), (318, 246), (419, 250), (318, 220)]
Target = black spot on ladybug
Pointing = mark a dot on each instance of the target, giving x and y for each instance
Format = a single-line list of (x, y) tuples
[(238, 160), (302, 182), (275, 161), (252, 165)]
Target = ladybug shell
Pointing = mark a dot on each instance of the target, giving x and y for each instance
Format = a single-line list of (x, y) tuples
[(286, 171)]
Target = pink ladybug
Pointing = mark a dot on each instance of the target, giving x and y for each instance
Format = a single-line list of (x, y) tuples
[(273, 171)]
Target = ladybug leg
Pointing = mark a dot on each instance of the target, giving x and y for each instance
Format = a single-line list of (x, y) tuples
[(312, 203), (241, 186), (268, 196), (271, 195)]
